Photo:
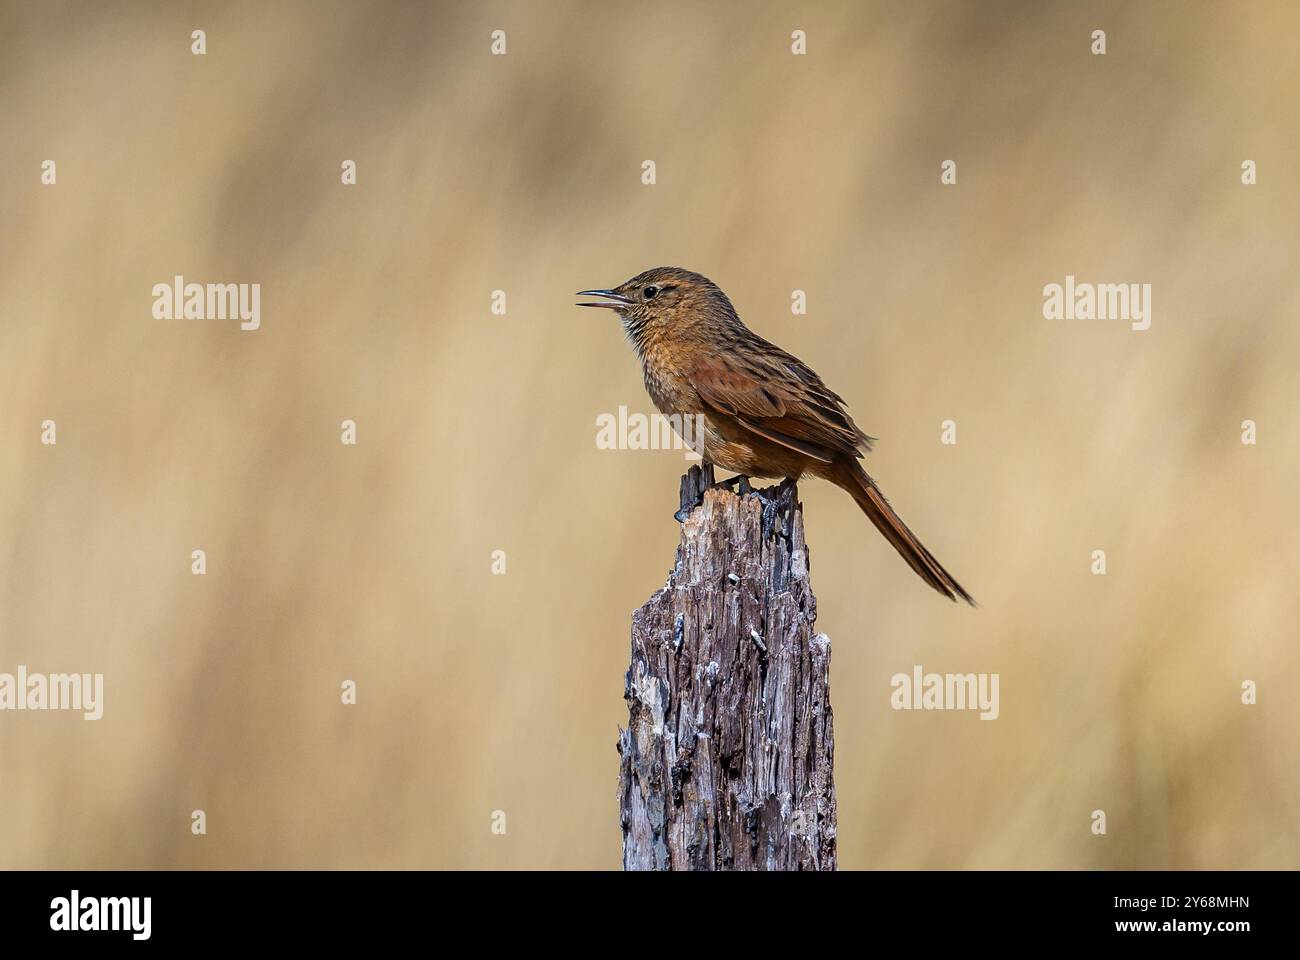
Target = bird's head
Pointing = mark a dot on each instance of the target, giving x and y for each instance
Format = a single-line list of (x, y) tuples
[(664, 300)]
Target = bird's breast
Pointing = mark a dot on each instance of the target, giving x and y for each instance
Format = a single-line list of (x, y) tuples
[(668, 385)]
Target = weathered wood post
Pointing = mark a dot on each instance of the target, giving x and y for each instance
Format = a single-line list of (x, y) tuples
[(727, 758)]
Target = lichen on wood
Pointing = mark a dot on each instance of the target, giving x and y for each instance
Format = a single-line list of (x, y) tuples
[(726, 763)]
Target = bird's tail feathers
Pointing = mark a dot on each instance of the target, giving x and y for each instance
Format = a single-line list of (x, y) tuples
[(851, 477)]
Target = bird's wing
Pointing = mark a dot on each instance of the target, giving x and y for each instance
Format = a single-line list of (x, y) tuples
[(787, 404)]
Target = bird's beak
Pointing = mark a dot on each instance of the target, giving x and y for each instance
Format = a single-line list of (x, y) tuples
[(618, 300)]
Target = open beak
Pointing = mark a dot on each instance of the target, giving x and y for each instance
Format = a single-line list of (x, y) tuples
[(618, 301)]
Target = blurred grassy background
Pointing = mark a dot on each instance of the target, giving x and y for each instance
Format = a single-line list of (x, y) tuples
[(476, 432)]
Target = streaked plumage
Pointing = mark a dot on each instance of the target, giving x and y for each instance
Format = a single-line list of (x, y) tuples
[(767, 414)]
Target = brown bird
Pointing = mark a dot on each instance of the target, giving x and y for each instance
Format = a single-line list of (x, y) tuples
[(766, 414)]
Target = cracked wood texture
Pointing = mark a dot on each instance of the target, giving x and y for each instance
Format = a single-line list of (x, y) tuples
[(726, 763)]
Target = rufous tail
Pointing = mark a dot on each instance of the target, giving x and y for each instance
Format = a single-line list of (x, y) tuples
[(851, 477)]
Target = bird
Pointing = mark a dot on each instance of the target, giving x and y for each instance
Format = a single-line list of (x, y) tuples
[(765, 413)]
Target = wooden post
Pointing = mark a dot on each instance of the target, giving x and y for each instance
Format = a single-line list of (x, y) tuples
[(727, 758)]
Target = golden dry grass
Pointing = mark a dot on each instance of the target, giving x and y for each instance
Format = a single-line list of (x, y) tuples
[(481, 692)]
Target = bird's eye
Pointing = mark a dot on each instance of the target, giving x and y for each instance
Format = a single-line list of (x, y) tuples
[(650, 292)]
